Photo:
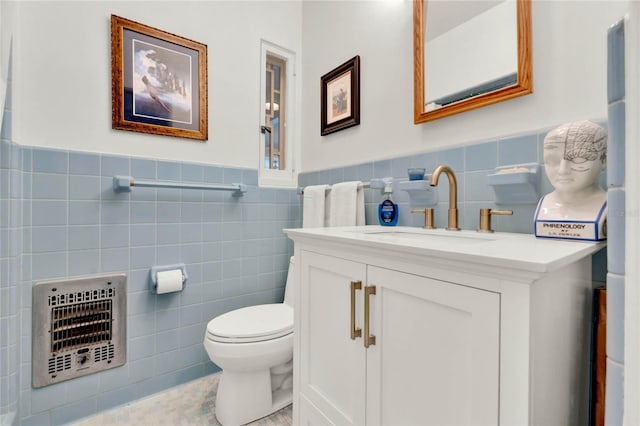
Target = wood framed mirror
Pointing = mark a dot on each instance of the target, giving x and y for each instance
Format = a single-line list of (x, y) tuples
[(442, 87)]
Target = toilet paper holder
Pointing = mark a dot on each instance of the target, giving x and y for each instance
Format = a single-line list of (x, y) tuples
[(153, 274)]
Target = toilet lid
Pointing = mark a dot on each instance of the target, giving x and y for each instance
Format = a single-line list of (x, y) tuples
[(252, 324)]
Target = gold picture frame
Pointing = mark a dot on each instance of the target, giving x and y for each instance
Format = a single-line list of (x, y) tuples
[(158, 81), (524, 76)]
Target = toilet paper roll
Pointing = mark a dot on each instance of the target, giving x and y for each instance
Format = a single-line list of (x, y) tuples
[(169, 281)]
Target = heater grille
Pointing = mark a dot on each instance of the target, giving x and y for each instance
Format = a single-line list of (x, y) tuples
[(79, 327), (59, 363), (103, 353), (80, 296)]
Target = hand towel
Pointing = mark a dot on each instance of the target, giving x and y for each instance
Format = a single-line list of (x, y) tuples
[(313, 206), (346, 204), (360, 215)]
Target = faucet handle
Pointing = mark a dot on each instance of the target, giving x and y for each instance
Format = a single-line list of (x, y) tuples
[(428, 217), (485, 218)]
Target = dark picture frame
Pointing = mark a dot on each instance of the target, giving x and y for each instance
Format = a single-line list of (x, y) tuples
[(340, 97), (158, 81)]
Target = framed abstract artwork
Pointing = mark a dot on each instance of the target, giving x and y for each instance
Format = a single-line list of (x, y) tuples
[(340, 95), (158, 81)]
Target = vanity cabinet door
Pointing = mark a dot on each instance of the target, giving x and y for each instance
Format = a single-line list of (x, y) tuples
[(436, 356), (332, 366)]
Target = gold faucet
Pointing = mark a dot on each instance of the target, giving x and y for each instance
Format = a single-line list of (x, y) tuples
[(485, 218), (428, 217), (453, 194)]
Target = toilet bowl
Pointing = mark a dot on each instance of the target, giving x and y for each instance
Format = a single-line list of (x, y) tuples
[(254, 348)]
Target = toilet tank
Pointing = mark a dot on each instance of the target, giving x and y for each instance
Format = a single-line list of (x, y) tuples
[(288, 289)]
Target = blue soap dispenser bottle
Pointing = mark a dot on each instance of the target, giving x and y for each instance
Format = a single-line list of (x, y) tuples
[(387, 209)]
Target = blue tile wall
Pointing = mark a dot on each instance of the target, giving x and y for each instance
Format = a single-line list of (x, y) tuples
[(616, 230), (615, 317), (616, 149), (615, 62), (616, 202), (471, 163), (168, 170), (83, 164), (49, 161), (518, 150), (481, 157), (10, 256), (72, 223), (614, 394)]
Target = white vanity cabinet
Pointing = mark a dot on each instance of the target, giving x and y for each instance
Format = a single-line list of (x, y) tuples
[(454, 340)]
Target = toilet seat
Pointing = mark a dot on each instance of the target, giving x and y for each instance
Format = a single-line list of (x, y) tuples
[(252, 324)]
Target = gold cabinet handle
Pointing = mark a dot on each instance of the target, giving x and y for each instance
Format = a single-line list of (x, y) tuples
[(355, 332), (368, 338)]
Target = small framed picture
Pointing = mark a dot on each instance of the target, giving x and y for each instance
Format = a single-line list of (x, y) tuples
[(340, 94), (158, 81)]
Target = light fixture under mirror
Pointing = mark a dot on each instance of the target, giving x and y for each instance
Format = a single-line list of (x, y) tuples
[(469, 54)]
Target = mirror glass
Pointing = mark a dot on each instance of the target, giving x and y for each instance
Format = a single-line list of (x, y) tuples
[(469, 54)]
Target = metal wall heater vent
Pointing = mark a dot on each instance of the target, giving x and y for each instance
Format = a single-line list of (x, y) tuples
[(79, 327)]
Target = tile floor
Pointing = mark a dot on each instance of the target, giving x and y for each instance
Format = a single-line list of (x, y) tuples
[(190, 404)]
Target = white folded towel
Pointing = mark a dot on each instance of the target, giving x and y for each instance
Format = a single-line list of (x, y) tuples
[(313, 206), (346, 204)]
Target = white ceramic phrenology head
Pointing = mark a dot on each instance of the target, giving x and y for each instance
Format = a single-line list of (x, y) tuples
[(574, 155)]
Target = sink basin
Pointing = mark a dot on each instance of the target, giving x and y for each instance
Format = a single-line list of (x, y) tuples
[(429, 236)]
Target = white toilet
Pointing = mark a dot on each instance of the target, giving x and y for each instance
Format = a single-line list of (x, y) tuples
[(254, 348)]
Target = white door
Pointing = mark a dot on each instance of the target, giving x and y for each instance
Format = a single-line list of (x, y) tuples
[(332, 365), (436, 356)]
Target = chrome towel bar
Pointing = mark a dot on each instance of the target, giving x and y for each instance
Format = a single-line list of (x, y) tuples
[(364, 185), (125, 183)]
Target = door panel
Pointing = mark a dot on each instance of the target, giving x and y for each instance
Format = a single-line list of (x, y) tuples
[(332, 365), (436, 357)]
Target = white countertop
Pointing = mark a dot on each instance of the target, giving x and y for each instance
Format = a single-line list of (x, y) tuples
[(515, 251)]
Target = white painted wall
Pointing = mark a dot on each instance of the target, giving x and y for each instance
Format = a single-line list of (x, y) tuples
[(5, 37), (62, 95), (8, 18), (63, 74), (569, 72)]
